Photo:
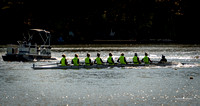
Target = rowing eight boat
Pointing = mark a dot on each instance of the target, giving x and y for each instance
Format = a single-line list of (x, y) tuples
[(57, 66)]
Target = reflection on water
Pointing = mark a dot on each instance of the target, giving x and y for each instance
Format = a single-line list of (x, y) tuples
[(172, 85)]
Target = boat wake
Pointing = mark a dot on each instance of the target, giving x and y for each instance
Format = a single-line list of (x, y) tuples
[(187, 65)]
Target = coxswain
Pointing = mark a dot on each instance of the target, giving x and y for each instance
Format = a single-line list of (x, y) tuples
[(146, 59), (122, 59), (63, 61), (110, 59), (98, 60), (163, 60), (75, 60), (136, 59), (88, 60)]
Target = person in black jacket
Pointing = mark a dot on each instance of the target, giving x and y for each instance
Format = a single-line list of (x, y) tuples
[(163, 60)]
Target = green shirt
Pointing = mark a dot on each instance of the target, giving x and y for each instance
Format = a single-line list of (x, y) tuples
[(146, 60), (75, 61), (63, 62), (87, 61), (98, 60), (110, 60), (135, 60), (121, 59)]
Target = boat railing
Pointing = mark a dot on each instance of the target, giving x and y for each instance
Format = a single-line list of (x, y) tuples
[(12, 50), (45, 50)]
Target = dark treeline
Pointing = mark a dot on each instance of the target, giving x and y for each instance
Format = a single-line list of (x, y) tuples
[(92, 21)]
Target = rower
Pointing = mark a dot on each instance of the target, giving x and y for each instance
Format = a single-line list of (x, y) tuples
[(136, 59), (163, 60), (110, 59), (75, 60), (88, 60), (146, 59), (98, 60), (63, 61), (122, 59)]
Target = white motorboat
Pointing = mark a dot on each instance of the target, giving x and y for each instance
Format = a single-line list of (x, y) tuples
[(27, 51)]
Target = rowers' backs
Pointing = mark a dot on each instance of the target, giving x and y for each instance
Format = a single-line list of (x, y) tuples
[(110, 60)]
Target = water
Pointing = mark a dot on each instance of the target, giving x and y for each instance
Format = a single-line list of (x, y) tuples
[(172, 85)]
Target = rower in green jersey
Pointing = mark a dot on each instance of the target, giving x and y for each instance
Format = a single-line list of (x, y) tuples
[(88, 60), (98, 60), (136, 59), (122, 59), (63, 61), (110, 59), (146, 59), (75, 60)]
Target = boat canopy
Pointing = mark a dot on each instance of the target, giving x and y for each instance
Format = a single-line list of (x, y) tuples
[(40, 30), (44, 35)]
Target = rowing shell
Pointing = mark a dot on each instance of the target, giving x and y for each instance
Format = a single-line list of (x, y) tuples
[(99, 66)]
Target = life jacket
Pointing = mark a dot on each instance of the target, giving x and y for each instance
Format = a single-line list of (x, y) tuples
[(110, 60), (121, 59), (135, 60), (98, 60), (63, 62), (87, 61), (146, 60), (75, 61)]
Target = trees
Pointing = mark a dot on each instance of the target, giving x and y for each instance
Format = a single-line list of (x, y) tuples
[(89, 19)]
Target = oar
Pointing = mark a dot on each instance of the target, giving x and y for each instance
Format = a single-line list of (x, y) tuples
[(49, 64), (155, 61)]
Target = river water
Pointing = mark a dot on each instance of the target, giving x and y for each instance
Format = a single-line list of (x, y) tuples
[(146, 86)]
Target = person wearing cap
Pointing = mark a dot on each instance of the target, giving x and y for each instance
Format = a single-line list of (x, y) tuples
[(88, 60), (146, 59), (75, 60), (122, 59), (110, 59), (163, 60), (136, 59), (63, 61), (98, 60)]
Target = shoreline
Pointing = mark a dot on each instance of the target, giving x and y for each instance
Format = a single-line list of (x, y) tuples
[(114, 45)]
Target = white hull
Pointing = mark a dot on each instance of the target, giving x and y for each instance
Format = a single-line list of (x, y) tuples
[(99, 66)]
